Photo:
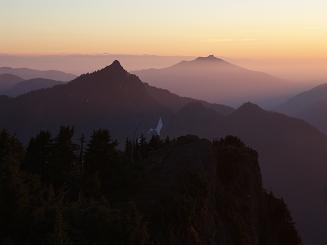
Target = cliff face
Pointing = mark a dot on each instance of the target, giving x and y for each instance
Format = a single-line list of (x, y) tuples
[(197, 192)]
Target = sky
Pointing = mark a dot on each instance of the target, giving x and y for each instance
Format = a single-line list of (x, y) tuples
[(290, 29)]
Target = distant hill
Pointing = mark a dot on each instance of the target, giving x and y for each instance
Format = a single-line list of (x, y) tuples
[(30, 85), (8, 80), (215, 80), (292, 153), (310, 106), (26, 73)]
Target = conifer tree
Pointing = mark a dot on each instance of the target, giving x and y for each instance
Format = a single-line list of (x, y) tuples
[(63, 158), (128, 149), (38, 154), (100, 158)]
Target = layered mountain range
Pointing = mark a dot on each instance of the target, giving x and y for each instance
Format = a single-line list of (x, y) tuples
[(292, 153), (18, 81), (310, 106), (26, 73)]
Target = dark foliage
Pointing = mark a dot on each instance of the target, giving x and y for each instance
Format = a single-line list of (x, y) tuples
[(181, 191)]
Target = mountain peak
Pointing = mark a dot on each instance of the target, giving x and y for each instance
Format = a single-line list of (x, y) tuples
[(115, 69), (115, 66), (116, 63), (250, 107), (209, 58)]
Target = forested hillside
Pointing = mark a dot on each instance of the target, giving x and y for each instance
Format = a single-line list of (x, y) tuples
[(59, 190)]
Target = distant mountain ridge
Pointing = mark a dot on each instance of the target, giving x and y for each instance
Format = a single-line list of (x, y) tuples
[(310, 106), (26, 73), (292, 153), (12, 85), (210, 58), (30, 85), (216, 80), (106, 97), (8, 80)]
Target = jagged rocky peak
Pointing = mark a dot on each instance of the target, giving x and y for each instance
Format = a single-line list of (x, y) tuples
[(111, 74), (115, 71), (114, 67)]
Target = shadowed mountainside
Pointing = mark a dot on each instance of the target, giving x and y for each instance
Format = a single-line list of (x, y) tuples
[(292, 154), (110, 97)]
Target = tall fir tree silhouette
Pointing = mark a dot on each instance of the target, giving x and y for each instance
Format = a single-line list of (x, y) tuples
[(38, 154), (63, 158)]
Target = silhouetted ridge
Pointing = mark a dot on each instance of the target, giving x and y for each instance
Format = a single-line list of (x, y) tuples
[(115, 66), (310, 106), (211, 59), (8, 80), (109, 74), (26, 73), (31, 85), (250, 108), (10, 77), (114, 69)]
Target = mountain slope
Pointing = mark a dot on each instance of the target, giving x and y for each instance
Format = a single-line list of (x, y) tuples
[(216, 189), (27, 73), (175, 102), (310, 106), (8, 80), (292, 153), (215, 80), (30, 85), (110, 97)]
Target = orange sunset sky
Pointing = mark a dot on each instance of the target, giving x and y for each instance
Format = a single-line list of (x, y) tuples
[(289, 30)]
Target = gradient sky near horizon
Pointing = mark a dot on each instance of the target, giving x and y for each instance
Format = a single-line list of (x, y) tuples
[(231, 28)]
